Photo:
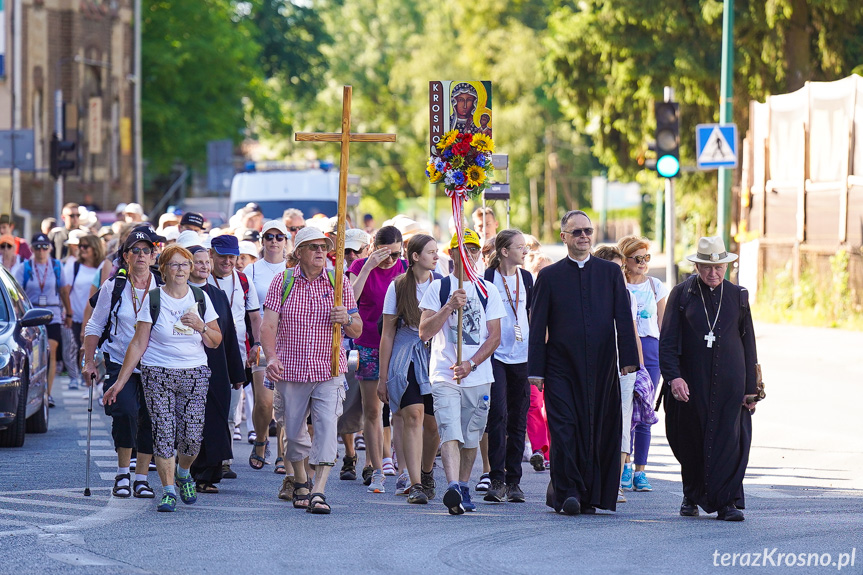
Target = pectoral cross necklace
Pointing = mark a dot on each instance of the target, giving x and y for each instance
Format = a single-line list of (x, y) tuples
[(710, 338)]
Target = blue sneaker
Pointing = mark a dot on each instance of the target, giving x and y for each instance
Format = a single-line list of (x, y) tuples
[(640, 482), (626, 478), (186, 486), (466, 503), (168, 502), (453, 501)]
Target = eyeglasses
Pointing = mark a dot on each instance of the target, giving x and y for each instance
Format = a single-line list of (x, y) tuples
[(473, 249), (587, 232), (317, 247), (277, 237), (84, 246), (354, 252), (41, 248), (138, 251), (395, 255), (179, 265), (295, 228), (640, 259), (6, 247)]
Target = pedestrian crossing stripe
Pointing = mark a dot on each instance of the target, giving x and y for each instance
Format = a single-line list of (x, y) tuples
[(716, 146)]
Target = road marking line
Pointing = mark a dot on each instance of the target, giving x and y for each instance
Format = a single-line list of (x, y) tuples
[(35, 514), (95, 443), (43, 503)]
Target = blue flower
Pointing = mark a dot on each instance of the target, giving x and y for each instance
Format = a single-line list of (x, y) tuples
[(440, 166), (481, 160), (458, 178), (447, 154)]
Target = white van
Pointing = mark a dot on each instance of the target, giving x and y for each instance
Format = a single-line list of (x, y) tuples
[(310, 191)]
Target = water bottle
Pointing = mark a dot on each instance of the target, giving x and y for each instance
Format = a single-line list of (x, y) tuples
[(480, 415)]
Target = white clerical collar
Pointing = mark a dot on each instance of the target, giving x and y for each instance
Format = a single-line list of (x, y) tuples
[(580, 263), (202, 284)]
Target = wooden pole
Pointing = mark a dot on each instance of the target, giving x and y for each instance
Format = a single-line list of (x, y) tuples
[(459, 329), (340, 228)]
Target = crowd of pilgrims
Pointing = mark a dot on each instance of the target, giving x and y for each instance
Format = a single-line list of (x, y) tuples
[(192, 330)]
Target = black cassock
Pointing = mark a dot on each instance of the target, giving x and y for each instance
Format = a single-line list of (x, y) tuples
[(710, 435), (579, 308), (226, 365)]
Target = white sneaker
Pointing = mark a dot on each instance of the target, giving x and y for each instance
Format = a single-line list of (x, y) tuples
[(377, 484), (621, 498), (403, 484)]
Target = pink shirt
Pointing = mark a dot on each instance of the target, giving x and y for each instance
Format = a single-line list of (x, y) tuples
[(371, 303)]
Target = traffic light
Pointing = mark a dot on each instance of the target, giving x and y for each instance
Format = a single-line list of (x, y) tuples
[(667, 138), (63, 159)]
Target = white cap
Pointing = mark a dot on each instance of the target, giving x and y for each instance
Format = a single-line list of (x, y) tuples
[(274, 225), (171, 233), (75, 237), (189, 238), (356, 239), (133, 209), (249, 249), (121, 207)]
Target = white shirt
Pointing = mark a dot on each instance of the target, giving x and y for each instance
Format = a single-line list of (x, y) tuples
[(239, 303), (261, 274), (474, 333), (647, 299), (511, 351), (390, 298), (169, 348), (116, 345), (80, 288)]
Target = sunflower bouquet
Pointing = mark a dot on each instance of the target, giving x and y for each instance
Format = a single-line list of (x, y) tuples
[(463, 163)]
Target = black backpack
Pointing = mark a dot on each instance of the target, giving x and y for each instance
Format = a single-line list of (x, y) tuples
[(526, 278), (156, 302), (116, 293)]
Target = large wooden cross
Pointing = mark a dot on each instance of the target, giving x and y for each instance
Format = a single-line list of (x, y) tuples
[(345, 137)]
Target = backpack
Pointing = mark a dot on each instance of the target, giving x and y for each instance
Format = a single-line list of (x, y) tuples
[(526, 278), (28, 273), (156, 302), (114, 307), (435, 276), (445, 287), (288, 282)]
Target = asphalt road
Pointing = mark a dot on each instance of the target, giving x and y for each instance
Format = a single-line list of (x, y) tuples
[(804, 495)]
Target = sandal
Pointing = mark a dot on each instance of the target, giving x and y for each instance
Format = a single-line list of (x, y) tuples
[(122, 490), (254, 457), (206, 488), (280, 466), (300, 500), (142, 490), (318, 504)]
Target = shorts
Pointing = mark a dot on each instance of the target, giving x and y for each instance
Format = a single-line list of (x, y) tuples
[(461, 412), (54, 332), (412, 395), (369, 367)]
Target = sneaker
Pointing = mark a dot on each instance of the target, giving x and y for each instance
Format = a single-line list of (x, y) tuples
[(626, 478), (417, 495), (286, 492), (186, 486), (252, 437), (389, 469), (168, 502), (51, 402), (466, 503), (537, 460), (359, 443), (377, 483), (349, 468), (640, 482), (238, 435), (621, 498), (73, 384), (403, 484), (367, 474), (453, 501), (428, 484), (497, 492), (227, 472), (484, 483), (514, 494)]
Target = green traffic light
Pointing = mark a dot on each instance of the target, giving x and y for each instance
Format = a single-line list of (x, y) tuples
[(668, 166)]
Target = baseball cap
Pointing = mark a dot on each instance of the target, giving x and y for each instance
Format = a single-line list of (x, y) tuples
[(8, 239), (248, 248), (5, 219), (356, 239), (133, 209), (188, 238), (75, 237), (138, 235), (251, 236), (171, 233), (470, 237), (311, 233), (40, 240), (192, 219), (225, 245), (275, 225)]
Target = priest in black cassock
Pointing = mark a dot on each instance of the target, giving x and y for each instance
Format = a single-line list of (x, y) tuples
[(707, 354), (579, 301), (226, 365)]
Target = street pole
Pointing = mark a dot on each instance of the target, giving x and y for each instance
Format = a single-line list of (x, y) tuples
[(726, 95), (139, 155), (58, 132), (17, 99), (670, 271)]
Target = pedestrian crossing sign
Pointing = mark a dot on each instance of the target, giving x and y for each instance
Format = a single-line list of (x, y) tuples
[(716, 146)]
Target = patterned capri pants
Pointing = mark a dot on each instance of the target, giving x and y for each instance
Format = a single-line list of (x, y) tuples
[(176, 399)]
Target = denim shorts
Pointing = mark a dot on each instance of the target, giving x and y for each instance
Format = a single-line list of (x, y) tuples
[(369, 367)]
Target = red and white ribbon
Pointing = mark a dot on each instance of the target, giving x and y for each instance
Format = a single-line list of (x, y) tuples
[(458, 196)]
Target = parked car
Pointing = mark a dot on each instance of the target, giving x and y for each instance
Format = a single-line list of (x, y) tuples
[(23, 364)]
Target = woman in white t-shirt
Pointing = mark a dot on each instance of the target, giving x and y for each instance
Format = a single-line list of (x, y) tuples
[(174, 370), (650, 296), (78, 274), (404, 371)]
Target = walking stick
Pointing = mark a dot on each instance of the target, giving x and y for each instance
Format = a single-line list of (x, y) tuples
[(459, 328), (89, 431)]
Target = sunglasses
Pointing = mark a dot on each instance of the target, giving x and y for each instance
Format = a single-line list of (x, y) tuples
[(473, 249), (354, 252), (42, 248), (6, 247), (317, 247), (640, 259), (84, 246), (277, 237), (587, 232), (139, 251), (295, 228), (395, 255)]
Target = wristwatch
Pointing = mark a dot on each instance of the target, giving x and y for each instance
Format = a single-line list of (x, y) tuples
[(203, 331), (472, 365), (350, 320)]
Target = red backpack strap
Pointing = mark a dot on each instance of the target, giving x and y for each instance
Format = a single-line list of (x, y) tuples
[(244, 281)]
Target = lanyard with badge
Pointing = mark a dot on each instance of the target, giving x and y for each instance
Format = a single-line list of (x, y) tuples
[(42, 279), (514, 306), (233, 287), (135, 305)]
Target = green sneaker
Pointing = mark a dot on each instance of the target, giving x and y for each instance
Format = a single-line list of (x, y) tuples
[(168, 502), (186, 486)]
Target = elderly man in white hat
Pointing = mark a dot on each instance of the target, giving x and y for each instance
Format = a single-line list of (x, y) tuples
[(709, 362), (297, 337)]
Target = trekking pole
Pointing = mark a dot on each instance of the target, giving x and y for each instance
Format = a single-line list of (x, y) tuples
[(89, 431)]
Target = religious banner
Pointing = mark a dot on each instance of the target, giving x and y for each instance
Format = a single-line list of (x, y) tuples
[(461, 105)]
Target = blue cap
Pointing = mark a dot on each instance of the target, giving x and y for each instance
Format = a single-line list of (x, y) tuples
[(226, 245)]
